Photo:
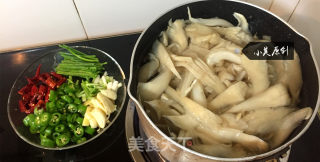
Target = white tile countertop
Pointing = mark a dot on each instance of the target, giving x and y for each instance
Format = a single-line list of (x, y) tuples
[(102, 18), (25, 24), (33, 23)]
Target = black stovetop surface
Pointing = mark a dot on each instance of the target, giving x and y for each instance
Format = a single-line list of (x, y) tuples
[(112, 145)]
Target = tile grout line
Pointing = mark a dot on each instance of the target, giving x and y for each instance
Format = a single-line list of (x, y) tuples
[(80, 20), (295, 7)]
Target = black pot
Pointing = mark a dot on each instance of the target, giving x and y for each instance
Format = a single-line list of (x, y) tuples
[(261, 22)]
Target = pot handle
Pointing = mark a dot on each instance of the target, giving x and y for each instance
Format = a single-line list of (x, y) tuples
[(276, 156)]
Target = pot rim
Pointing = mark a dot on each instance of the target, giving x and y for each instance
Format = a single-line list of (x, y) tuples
[(259, 156)]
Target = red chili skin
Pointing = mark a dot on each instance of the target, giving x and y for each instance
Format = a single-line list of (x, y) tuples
[(25, 89), (24, 109), (56, 75), (22, 106), (33, 100), (28, 111), (61, 81), (40, 103), (46, 98), (32, 80), (59, 77), (49, 81), (38, 71), (46, 79), (34, 90), (26, 97), (42, 90)]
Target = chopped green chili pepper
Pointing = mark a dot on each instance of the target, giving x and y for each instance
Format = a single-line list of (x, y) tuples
[(41, 129), (59, 128), (71, 126), (55, 119), (53, 95), (33, 129), (74, 139), (51, 106), (60, 104), (67, 98), (78, 132), (90, 130), (72, 95), (62, 140), (63, 110), (81, 140), (74, 117), (76, 100), (44, 119), (28, 119), (55, 135), (82, 109), (79, 120), (37, 121), (47, 132), (47, 142), (69, 89), (38, 111), (72, 108), (60, 90), (71, 118), (67, 133), (32, 122), (63, 118)]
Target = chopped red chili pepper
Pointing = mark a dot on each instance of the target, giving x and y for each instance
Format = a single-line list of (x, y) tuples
[(26, 97), (38, 71), (40, 104), (25, 89), (29, 110), (22, 106), (32, 80), (36, 92), (49, 81), (56, 75), (46, 99), (61, 81), (42, 90)]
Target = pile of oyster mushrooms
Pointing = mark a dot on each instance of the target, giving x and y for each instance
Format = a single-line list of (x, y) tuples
[(196, 83)]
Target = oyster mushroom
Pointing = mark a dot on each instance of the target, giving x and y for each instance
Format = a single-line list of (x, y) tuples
[(177, 35), (149, 69), (153, 89), (275, 96), (288, 72), (164, 57), (288, 124), (218, 55), (201, 71), (257, 71), (197, 94), (161, 108), (232, 95)]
